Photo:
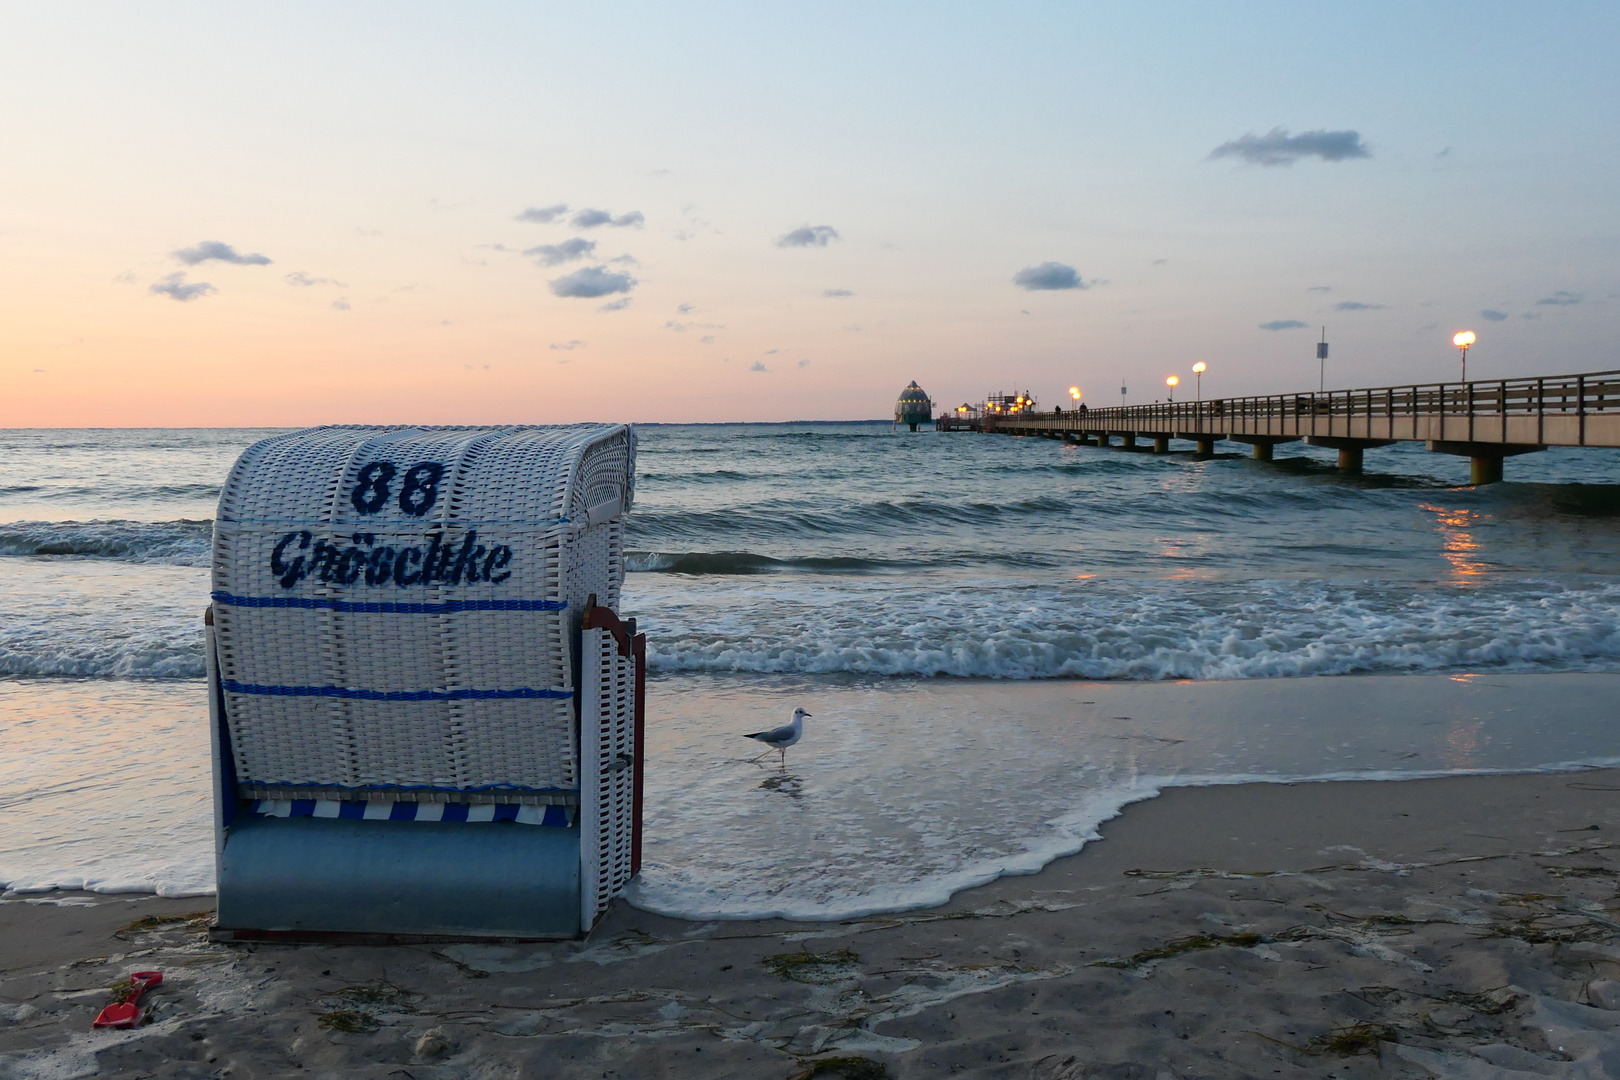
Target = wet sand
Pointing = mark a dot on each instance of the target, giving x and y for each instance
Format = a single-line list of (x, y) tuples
[(1457, 927)]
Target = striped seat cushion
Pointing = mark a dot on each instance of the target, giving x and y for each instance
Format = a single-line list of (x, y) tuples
[(389, 810)]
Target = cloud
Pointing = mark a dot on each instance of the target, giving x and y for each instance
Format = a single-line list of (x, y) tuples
[(805, 362), (176, 287), (566, 346), (759, 367), (616, 305), (213, 250), (590, 219), (836, 294), (772, 352), (1561, 299), (684, 309), (808, 236), (1049, 275), (1357, 305), (1493, 315), (341, 304), (706, 339), (575, 247), (1277, 147), (1320, 288), (1283, 324), (303, 280), (683, 327), (589, 282), (543, 215), (1161, 262)]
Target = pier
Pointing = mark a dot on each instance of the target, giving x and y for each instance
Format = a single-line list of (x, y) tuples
[(1485, 422)]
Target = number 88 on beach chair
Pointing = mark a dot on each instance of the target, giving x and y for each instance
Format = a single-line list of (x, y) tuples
[(427, 719)]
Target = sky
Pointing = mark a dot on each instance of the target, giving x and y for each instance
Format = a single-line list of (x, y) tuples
[(403, 212)]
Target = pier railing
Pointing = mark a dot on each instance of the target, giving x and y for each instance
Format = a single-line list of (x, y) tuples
[(1566, 410)]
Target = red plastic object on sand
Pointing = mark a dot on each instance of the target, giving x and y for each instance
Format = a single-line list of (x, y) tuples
[(128, 1013)]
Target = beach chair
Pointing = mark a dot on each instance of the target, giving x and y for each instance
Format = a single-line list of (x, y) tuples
[(427, 717)]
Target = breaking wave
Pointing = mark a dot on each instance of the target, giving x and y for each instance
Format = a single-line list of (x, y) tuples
[(175, 543), (742, 562), (1202, 630)]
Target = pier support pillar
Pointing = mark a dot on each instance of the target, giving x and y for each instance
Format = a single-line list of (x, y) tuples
[(1206, 447), (1350, 450), (1484, 459), (1128, 441), (1262, 444), (1485, 470), (1161, 444), (1102, 440)]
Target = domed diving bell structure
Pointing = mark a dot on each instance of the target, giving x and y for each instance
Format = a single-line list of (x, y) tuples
[(914, 407)]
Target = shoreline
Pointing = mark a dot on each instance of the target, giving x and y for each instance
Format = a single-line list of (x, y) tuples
[(1445, 926), (867, 819)]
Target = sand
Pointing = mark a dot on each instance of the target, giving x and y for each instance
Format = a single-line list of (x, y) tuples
[(1454, 927)]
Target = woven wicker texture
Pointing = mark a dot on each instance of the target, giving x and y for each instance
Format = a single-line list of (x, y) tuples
[(607, 785), (394, 606)]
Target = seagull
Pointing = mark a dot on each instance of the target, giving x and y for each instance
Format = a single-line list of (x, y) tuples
[(779, 739)]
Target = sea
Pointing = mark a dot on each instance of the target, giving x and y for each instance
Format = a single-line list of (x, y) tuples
[(1002, 641)]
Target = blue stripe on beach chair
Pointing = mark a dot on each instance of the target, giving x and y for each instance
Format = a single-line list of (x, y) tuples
[(465, 694), (380, 607), (561, 817)]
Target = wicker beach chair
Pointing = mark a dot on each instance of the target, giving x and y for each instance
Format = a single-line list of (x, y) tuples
[(427, 717)]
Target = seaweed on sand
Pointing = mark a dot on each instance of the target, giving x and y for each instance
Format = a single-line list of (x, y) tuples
[(1347, 1040), (809, 967), (377, 994), (123, 990), (1181, 946), (353, 1008), (349, 1021), (850, 1068), (1352, 1040), (195, 922)]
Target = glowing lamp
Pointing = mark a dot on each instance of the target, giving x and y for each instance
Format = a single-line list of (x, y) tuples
[(1462, 340), (1199, 368), (1172, 381)]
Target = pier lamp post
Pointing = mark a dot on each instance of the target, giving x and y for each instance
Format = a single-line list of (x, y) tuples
[(1198, 383), (1074, 397), (1172, 382), (1462, 341)]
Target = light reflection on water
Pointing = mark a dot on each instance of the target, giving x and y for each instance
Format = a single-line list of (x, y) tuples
[(1459, 545)]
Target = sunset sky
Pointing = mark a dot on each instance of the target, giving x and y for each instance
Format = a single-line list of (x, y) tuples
[(297, 213)]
